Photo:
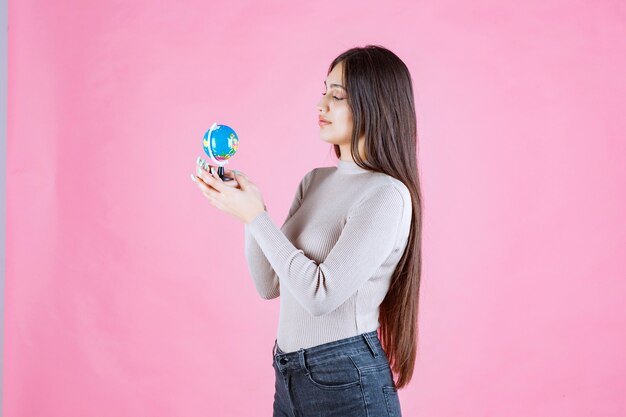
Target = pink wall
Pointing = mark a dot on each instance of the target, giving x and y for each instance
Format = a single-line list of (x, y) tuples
[(127, 293)]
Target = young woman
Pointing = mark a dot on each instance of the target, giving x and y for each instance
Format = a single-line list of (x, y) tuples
[(346, 263)]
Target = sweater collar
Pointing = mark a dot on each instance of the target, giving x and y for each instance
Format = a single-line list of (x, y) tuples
[(349, 167)]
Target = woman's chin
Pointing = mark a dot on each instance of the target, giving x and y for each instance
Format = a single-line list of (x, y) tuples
[(326, 138)]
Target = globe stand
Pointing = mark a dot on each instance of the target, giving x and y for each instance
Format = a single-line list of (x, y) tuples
[(220, 172)]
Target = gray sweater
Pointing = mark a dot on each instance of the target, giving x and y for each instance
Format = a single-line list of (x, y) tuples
[(331, 261)]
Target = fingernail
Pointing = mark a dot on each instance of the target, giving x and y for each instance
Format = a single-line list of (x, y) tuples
[(198, 161), (193, 178), (211, 171)]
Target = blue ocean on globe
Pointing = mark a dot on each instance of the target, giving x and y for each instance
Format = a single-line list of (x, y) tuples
[(220, 142)]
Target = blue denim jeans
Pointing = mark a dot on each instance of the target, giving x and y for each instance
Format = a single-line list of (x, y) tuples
[(349, 377)]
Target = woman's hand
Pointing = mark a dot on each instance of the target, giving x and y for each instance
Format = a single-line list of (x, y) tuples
[(239, 197)]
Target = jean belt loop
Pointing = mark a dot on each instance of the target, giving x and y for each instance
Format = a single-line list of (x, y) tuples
[(302, 361), (274, 348), (370, 344)]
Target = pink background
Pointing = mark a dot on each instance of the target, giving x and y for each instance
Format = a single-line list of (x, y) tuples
[(127, 293)]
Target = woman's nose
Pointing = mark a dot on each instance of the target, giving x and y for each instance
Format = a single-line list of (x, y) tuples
[(321, 105)]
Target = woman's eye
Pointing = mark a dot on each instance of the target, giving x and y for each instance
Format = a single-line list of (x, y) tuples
[(335, 97)]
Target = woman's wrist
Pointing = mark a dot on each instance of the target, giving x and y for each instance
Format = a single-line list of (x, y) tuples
[(257, 214)]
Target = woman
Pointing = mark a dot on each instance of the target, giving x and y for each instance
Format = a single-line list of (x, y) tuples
[(346, 262)]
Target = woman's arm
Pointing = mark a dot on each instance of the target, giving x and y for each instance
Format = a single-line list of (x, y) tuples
[(366, 240), (263, 275)]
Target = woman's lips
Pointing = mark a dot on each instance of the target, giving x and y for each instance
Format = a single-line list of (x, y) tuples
[(323, 123)]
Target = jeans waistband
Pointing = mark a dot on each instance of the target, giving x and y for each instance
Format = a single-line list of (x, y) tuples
[(351, 345)]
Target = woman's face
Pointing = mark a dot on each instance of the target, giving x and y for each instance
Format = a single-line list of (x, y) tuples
[(333, 106)]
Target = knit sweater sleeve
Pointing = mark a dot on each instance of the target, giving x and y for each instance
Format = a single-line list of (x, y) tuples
[(261, 271), (367, 239)]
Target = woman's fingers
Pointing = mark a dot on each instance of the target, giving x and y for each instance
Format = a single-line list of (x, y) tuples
[(213, 180), (233, 181), (205, 165), (203, 175), (212, 171), (209, 192)]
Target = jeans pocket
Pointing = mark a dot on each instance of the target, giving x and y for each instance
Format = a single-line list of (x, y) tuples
[(337, 373), (392, 401)]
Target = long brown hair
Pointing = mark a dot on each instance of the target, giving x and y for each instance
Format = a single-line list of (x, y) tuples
[(380, 95)]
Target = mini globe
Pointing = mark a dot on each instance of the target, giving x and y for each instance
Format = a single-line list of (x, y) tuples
[(220, 142)]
